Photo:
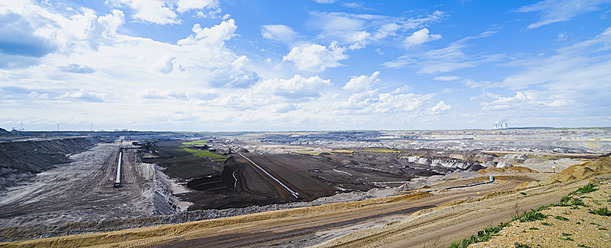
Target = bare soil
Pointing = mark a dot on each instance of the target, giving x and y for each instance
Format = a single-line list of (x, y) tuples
[(83, 191)]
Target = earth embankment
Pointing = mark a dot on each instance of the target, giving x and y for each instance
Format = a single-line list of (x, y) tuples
[(21, 159)]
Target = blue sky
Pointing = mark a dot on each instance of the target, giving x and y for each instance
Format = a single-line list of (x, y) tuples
[(214, 65)]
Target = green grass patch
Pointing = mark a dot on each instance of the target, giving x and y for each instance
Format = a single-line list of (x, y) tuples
[(520, 245), (566, 236), (184, 164), (601, 211), (533, 215), (570, 201), (482, 236), (307, 152), (205, 154), (546, 224), (382, 150), (196, 143), (543, 157), (534, 228), (580, 245), (561, 218), (585, 189)]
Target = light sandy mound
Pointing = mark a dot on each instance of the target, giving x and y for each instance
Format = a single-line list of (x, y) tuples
[(576, 172)]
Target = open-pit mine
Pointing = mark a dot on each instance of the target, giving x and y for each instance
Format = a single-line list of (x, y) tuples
[(286, 189)]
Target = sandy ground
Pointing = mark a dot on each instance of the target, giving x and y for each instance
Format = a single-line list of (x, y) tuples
[(564, 227), (441, 227)]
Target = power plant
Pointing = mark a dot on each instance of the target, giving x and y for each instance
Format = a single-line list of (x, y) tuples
[(500, 124)]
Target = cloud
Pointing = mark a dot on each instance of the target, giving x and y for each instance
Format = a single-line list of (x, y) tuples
[(419, 37), (280, 33), (362, 82), (31, 32), (164, 64), (445, 59), (237, 75), (447, 78), (162, 94), (440, 107), (581, 65), (358, 30), (371, 101), (553, 11), (186, 5), (19, 38), (316, 58), (294, 88), (164, 12), (76, 68), (325, 1), (83, 95), (20, 93), (573, 82), (388, 29), (531, 101), (152, 11), (344, 27), (215, 35)]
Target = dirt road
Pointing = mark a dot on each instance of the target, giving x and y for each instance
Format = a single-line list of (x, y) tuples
[(302, 231), (441, 227)]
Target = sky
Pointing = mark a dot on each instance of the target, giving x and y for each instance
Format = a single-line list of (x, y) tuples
[(303, 65)]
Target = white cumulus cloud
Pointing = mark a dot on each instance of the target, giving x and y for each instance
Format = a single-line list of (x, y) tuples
[(315, 57), (440, 107), (419, 37), (296, 87), (362, 82)]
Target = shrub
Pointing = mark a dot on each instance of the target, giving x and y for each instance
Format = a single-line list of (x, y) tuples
[(601, 211), (533, 215), (482, 236), (585, 189)]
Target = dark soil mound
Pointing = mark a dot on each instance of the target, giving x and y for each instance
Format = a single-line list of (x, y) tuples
[(22, 159)]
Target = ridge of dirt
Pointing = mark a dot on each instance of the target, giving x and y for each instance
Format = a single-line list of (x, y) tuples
[(575, 172), (20, 160)]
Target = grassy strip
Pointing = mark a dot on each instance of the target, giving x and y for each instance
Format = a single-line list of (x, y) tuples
[(533, 215), (196, 143), (382, 150), (307, 152), (206, 154)]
